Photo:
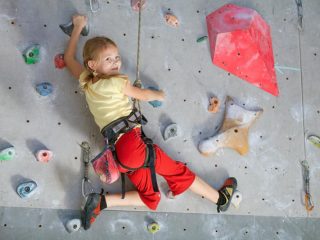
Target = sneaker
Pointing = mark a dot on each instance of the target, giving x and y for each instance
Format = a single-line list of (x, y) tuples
[(228, 189), (95, 203)]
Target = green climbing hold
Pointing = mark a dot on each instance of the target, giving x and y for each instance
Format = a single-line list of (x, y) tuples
[(153, 227), (32, 54), (7, 154), (315, 140), (201, 39)]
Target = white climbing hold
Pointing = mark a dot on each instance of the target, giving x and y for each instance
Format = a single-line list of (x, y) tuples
[(73, 225), (170, 131), (170, 195), (236, 199)]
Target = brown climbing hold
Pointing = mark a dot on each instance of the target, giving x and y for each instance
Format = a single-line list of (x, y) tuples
[(214, 105), (234, 131), (171, 20), (44, 156)]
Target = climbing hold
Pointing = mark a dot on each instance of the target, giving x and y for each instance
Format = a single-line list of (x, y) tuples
[(236, 199), (170, 194), (155, 103), (214, 105), (315, 140), (26, 189), (44, 89), (240, 43), (7, 154), (73, 225), (201, 39), (170, 131), (234, 131), (59, 61), (171, 20), (44, 155), (68, 27), (153, 227), (32, 54), (135, 4)]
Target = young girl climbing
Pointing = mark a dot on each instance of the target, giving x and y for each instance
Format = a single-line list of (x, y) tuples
[(108, 96)]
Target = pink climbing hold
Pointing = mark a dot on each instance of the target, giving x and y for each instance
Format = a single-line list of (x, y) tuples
[(135, 4), (240, 43), (59, 61), (44, 156)]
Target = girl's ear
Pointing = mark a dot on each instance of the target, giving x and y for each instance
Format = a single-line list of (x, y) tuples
[(92, 64)]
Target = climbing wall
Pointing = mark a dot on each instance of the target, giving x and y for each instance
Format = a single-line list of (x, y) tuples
[(269, 175)]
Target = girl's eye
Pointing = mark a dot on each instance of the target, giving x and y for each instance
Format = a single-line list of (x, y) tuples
[(108, 59), (117, 58)]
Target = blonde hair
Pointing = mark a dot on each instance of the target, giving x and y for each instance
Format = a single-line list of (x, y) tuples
[(91, 51)]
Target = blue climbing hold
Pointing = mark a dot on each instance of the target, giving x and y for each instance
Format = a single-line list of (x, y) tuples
[(26, 189), (44, 89), (155, 103)]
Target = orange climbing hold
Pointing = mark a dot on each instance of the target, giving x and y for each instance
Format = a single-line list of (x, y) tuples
[(44, 156), (171, 20), (214, 105), (240, 43)]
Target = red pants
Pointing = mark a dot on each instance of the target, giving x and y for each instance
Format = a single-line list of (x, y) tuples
[(131, 149)]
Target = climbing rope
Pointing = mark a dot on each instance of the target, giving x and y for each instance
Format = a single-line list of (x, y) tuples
[(137, 82)]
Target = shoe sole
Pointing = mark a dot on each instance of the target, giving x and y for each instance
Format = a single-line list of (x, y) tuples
[(234, 186), (91, 204)]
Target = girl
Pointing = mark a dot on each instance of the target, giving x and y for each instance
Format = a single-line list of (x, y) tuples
[(107, 94)]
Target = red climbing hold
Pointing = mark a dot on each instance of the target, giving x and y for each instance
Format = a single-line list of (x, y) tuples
[(240, 43), (44, 155), (59, 61)]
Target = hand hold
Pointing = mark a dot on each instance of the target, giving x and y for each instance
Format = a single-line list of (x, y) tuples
[(44, 156), (234, 131), (7, 154), (315, 140), (153, 227), (44, 89), (170, 131), (171, 20), (236, 199), (170, 194), (68, 27), (73, 225), (26, 189), (32, 54), (214, 105), (59, 61)]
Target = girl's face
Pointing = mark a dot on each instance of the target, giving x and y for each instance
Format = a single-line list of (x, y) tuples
[(110, 61)]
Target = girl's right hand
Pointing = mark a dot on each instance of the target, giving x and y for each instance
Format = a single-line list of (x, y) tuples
[(79, 21)]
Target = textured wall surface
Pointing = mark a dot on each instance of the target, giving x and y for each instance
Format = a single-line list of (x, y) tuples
[(269, 176)]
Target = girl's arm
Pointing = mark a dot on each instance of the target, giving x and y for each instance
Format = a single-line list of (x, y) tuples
[(142, 94), (72, 64)]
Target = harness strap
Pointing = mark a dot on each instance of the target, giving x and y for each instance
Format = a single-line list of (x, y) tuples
[(152, 167), (123, 185)]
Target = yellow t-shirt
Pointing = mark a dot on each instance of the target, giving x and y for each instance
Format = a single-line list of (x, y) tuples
[(106, 100)]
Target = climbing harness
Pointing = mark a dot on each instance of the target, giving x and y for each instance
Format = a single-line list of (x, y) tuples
[(306, 178), (122, 125), (87, 186)]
